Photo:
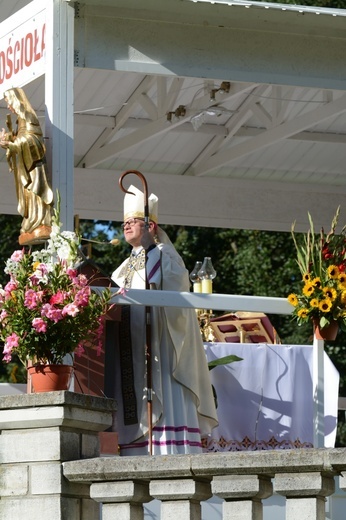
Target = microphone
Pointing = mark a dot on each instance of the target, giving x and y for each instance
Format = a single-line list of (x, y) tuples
[(113, 242)]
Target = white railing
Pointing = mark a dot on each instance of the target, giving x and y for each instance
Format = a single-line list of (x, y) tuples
[(217, 302), (244, 481)]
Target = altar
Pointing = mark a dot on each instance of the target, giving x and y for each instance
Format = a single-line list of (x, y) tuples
[(265, 401)]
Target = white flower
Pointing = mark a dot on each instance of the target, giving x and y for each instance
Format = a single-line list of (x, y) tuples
[(43, 257), (62, 245)]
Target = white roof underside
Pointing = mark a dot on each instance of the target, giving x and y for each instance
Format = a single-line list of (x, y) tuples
[(236, 113)]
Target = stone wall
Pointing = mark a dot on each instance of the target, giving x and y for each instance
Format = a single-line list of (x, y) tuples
[(38, 433)]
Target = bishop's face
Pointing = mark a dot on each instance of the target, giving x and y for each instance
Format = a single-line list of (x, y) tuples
[(134, 228)]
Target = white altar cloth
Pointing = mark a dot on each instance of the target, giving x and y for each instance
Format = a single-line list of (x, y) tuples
[(265, 401)]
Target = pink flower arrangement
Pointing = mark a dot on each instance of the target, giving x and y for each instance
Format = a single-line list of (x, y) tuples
[(47, 308)]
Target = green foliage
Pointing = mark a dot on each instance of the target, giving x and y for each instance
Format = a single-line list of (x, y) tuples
[(13, 373), (336, 352), (10, 229), (96, 238), (223, 361)]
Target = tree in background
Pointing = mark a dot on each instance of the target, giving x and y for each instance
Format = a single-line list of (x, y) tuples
[(10, 230)]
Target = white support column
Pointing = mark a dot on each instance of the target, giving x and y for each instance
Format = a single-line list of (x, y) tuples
[(243, 495), (180, 498), (123, 500), (305, 493), (318, 392), (59, 104)]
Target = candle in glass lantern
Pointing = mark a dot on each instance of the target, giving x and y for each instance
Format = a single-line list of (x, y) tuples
[(207, 273), (207, 285), (196, 281)]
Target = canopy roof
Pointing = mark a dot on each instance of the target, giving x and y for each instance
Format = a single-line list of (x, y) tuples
[(234, 111)]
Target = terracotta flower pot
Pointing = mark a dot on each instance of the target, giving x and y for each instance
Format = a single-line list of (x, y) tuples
[(327, 333), (49, 378)]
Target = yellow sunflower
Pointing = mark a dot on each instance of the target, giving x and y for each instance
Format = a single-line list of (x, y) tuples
[(308, 289), (306, 277), (330, 293), (325, 305), (303, 313), (343, 297), (333, 271), (293, 299), (316, 282), (314, 303), (342, 281)]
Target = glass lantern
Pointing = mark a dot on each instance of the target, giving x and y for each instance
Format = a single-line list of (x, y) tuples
[(207, 274), (195, 279)]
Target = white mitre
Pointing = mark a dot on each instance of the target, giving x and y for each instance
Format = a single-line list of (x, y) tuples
[(134, 205)]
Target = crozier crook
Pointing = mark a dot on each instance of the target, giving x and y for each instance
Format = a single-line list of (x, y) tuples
[(145, 191)]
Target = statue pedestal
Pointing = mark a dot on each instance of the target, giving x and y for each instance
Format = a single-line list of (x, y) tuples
[(38, 236)]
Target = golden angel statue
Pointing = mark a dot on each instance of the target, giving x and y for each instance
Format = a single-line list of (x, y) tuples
[(26, 155)]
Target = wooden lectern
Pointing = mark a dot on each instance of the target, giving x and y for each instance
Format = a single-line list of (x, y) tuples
[(94, 374)]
